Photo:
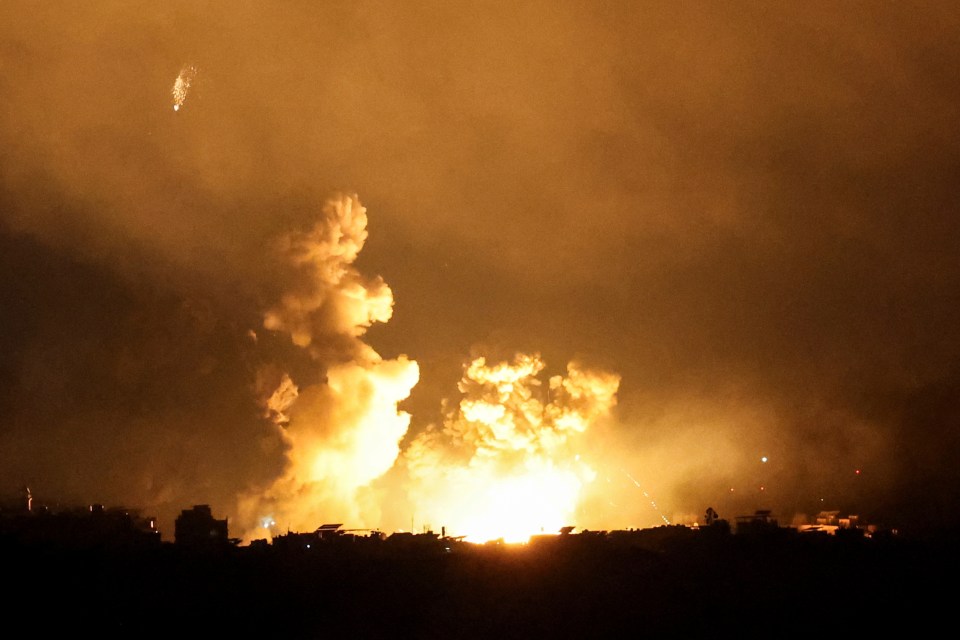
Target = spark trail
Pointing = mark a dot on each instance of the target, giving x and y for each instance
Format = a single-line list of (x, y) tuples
[(181, 86), (653, 503)]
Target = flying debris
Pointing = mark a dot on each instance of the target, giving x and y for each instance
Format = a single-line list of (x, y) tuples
[(181, 86), (653, 503)]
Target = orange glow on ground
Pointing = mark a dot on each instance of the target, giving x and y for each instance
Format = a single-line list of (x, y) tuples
[(504, 466)]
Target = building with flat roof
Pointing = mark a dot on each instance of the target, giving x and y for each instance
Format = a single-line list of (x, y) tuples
[(197, 528)]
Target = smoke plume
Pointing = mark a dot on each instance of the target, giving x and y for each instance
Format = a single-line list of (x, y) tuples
[(344, 431)]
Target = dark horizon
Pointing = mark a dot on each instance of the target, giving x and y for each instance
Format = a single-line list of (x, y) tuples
[(665, 582), (829, 521)]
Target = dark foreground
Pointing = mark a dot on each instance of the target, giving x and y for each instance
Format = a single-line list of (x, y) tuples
[(674, 586)]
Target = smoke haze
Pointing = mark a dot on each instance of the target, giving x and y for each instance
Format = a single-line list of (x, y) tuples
[(744, 213)]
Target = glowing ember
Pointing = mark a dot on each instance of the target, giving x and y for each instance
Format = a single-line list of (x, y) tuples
[(181, 86)]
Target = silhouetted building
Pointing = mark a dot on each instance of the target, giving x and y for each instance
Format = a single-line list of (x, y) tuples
[(760, 522), (197, 528), (328, 531), (830, 523), (86, 527)]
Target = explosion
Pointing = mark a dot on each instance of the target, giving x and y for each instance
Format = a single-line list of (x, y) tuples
[(505, 463), (344, 432)]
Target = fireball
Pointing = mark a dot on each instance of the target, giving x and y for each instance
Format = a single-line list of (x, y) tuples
[(504, 466)]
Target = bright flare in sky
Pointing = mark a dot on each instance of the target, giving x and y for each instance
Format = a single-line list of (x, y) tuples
[(181, 86)]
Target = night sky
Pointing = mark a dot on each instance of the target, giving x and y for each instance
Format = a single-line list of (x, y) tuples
[(742, 217)]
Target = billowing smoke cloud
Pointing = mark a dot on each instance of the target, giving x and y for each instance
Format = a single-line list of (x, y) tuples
[(330, 305), (343, 432), (505, 463)]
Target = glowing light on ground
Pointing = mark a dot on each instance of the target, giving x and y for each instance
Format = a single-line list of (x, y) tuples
[(517, 507), (504, 465)]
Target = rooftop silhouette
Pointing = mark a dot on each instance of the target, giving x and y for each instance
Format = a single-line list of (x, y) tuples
[(755, 577)]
